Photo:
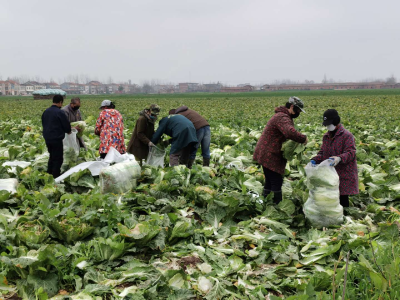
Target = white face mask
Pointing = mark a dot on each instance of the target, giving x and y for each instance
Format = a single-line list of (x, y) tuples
[(331, 127)]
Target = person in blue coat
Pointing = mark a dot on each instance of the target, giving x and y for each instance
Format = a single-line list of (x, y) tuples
[(183, 136)]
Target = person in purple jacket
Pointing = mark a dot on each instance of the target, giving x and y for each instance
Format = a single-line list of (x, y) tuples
[(339, 146)]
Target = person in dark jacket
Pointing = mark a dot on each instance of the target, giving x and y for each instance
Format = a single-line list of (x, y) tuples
[(183, 136), (140, 141), (55, 126), (203, 134), (74, 115), (268, 150), (339, 146)]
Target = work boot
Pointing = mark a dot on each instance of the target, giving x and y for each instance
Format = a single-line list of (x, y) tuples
[(206, 162), (190, 163), (277, 197)]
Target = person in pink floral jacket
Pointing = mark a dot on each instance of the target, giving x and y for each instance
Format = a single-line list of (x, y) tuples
[(339, 146), (268, 151), (110, 128)]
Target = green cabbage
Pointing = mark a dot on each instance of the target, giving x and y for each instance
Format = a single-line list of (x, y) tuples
[(291, 148), (81, 125)]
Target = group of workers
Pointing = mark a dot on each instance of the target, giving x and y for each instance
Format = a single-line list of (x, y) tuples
[(189, 131), (338, 145)]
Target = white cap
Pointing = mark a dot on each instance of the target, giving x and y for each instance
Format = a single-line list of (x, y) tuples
[(105, 103)]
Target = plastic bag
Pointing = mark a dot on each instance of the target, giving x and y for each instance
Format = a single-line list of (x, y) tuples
[(119, 178), (71, 147), (156, 157), (10, 185), (15, 164), (323, 207), (113, 156)]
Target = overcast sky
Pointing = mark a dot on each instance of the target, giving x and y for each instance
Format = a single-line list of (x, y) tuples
[(231, 41)]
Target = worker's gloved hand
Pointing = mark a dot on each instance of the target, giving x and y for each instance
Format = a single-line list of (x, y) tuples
[(313, 163), (305, 142), (151, 144), (335, 160)]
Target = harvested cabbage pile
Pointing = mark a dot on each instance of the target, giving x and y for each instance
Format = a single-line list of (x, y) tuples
[(323, 207), (81, 125), (291, 148)]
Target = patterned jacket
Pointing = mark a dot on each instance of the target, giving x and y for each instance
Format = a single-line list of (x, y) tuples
[(111, 128), (279, 129), (342, 144)]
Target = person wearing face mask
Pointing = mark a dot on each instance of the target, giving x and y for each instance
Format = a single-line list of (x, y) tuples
[(338, 145), (74, 115), (268, 150), (140, 141)]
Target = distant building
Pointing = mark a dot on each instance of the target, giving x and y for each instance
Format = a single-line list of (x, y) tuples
[(112, 88), (96, 87), (246, 88), (188, 87), (11, 88), (71, 88), (36, 85), (329, 86), (22, 90), (51, 85), (212, 87), (164, 89), (243, 84)]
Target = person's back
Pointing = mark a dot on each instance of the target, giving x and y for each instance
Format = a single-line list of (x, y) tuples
[(197, 120), (177, 124), (203, 133), (111, 128), (55, 124)]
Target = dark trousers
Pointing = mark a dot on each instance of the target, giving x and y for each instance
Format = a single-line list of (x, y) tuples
[(56, 152), (344, 200), (180, 157), (273, 183)]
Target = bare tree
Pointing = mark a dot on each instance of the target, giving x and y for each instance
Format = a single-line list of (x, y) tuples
[(324, 80), (391, 80), (146, 87)]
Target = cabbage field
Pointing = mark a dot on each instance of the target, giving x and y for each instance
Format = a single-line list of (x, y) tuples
[(204, 233)]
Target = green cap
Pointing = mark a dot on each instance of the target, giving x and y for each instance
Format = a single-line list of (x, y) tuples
[(154, 109), (296, 101)]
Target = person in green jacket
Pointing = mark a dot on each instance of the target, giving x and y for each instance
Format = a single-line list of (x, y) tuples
[(183, 136)]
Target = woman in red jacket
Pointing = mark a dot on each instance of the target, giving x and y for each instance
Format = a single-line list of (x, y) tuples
[(339, 146), (268, 150)]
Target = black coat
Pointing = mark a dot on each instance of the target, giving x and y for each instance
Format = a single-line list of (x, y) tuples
[(55, 124)]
